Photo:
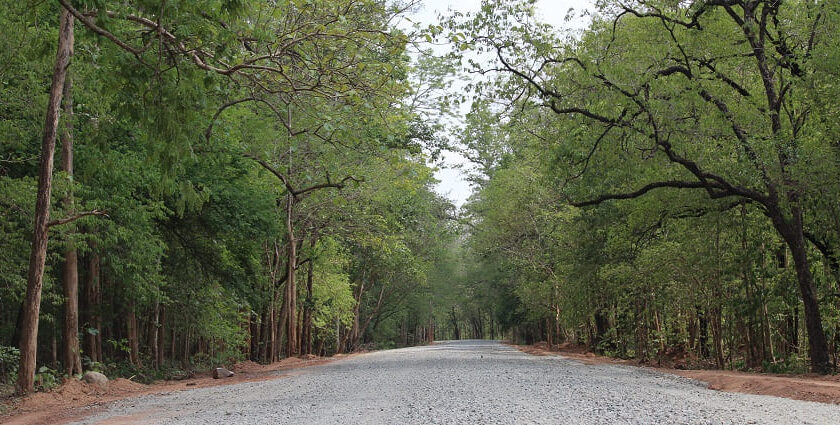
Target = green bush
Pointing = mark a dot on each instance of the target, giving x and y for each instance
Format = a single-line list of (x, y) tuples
[(9, 360), (46, 379)]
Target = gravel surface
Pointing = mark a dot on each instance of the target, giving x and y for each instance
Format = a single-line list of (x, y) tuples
[(465, 382)]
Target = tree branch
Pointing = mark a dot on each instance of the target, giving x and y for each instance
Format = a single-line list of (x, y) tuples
[(75, 217), (648, 188)]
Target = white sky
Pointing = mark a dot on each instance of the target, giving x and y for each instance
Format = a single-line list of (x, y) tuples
[(452, 183)]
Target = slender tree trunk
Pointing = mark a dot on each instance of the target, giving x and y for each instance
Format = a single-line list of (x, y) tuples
[(266, 335), (38, 253), (291, 289), (70, 271), (255, 337), (161, 341), (93, 298), (356, 312), (172, 345), (154, 327), (703, 338), (133, 338), (455, 328), (281, 324), (307, 305)]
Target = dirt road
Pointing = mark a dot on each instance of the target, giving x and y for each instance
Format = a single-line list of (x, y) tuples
[(461, 383)]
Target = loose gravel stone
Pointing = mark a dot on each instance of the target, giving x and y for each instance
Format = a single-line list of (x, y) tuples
[(466, 382)]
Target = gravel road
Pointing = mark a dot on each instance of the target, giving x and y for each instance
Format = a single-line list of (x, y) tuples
[(465, 382)]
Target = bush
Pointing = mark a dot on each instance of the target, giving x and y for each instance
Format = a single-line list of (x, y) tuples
[(792, 364), (46, 379), (9, 361)]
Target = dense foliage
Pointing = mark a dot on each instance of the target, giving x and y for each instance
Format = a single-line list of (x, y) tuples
[(662, 185), (248, 181), (187, 184)]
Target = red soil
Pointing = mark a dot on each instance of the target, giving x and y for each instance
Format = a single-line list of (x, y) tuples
[(809, 387), (74, 399)]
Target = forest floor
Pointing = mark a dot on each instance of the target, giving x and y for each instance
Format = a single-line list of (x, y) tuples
[(74, 398), (807, 387)]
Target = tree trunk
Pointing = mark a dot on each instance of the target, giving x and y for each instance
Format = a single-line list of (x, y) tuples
[(70, 272), (455, 328), (307, 306), (791, 231), (133, 341), (291, 289), (154, 327), (38, 253), (161, 342), (266, 335), (93, 296), (703, 323), (255, 337)]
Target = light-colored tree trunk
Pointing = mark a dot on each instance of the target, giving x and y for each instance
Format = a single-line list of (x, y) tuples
[(38, 253), (154, 327)]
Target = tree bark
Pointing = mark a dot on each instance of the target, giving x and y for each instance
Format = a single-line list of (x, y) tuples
[(133, 338), (307, 305), (792, 232), (291, 289), (93, 296), (161, 341), (38, 253), (70, 272), (154, 327)]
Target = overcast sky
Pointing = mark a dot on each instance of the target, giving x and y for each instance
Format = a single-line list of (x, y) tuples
[(452, 183)]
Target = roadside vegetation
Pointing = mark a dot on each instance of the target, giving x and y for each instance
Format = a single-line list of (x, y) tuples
[(662, 184), (188, 184)]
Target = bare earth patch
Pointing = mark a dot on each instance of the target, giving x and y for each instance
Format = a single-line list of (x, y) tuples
[(75, 398), (809, 387)]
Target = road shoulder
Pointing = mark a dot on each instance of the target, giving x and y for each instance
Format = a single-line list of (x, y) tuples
[(75, 399), (809, 387)]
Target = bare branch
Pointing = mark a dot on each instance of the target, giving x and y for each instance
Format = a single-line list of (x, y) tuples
[(75, 217), (646, 189)]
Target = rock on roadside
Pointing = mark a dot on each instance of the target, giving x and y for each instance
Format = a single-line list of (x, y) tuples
[(221, 372), (96, 379)]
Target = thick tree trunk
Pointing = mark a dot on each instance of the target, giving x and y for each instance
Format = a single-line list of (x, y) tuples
[(817, 344), (38, 253), (70, 272), (792, 233)]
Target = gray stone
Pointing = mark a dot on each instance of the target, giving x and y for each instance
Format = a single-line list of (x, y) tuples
[(221, 372), (95, 378)]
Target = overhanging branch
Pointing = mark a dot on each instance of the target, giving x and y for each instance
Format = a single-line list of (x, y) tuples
[(75, 217), (646, 189)]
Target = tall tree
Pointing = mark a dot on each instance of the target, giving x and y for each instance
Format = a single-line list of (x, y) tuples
[(38, 254), (729, 119), (70, 270)]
